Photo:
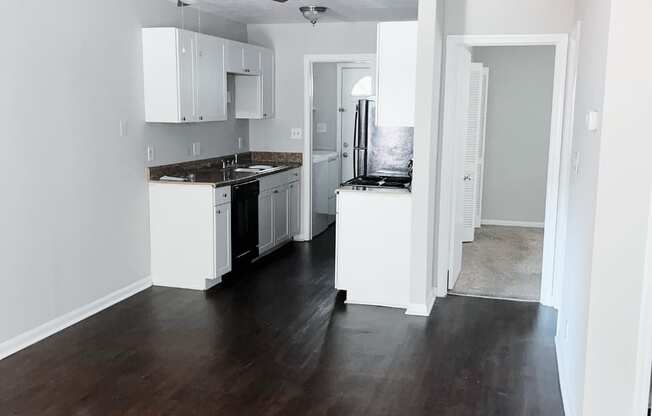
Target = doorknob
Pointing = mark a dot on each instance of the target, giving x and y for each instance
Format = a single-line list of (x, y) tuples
[(345, 144), (345, 154)]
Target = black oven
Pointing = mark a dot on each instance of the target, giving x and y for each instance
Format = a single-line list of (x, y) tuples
[(244, 223)]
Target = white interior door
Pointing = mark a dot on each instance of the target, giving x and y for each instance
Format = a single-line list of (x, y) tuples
[(463, 70), (481, 149), (471, 150), (355, 82)]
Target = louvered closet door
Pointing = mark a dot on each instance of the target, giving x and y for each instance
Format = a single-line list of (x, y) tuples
[(472, 150)]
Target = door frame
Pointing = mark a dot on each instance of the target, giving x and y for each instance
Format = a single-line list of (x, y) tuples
[(306, 169), (557, 154)]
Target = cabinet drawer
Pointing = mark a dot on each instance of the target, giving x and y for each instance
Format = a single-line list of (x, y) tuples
[(222, 195), (293, 175), (272, 181)]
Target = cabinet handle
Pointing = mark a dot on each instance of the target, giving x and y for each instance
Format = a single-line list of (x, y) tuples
[(183, 119), (219, 212), (275, 192), (264, 115), (201, 117), (246, 70), (225, 195)]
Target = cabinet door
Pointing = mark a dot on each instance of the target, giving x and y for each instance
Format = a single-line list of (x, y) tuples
[(265, 222), (210, 79), (268, 79), (251, 60), (234, 58), (295, 208), (222, 239), (280, 210), (396, 74), (186, 56)]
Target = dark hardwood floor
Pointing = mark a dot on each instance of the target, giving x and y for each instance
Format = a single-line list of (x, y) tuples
[(280, 341)]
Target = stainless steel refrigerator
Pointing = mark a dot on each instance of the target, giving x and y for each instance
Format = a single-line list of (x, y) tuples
[(380, 151)]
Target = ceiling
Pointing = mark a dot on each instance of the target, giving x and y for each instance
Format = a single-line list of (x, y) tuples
[(269, 11)]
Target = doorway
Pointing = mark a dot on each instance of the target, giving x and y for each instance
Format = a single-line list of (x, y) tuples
[(332, 86), (505, 158), (454, 179)]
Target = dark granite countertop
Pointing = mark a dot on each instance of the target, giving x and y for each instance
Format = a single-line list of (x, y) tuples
[(210, 171)]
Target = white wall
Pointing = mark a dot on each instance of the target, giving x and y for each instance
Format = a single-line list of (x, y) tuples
[(482, 17), (426, 150), (325, 105), (292, 42), (600, 314), (518, 131), (73, 217)]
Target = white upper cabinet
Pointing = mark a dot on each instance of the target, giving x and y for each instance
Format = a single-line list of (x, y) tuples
[(184, 76), (396, 77), (210, 79), (267, 79), (242, 58)]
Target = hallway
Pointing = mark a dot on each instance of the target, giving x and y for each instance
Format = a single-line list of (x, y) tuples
[(280, 341)]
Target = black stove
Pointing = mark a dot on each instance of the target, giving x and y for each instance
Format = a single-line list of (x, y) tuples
[(381, 181)]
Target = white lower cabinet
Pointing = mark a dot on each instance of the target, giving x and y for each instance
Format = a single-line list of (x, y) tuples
[(281, 214), (278, 210), (295, 208), (223, 239), (190, 229), (265, 222)]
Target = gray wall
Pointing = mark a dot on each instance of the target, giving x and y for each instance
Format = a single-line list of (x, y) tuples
[(291, 43), (73, 217), (518, 131), (325, 106)]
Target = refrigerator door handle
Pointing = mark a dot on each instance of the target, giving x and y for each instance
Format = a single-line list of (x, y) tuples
[(356, 139)]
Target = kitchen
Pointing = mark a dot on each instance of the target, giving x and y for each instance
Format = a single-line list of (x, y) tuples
[(214, 217)]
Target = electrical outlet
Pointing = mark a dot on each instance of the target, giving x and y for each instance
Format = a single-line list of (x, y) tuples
[(123, 128), (150, 153), (196, 149), (240, 143), (296, 133)]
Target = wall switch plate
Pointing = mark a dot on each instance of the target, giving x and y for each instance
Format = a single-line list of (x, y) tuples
[(592, 120), (240, 143), (150, 153), (296, 133), (228, 97), (196, 149), (123, 128), (322, 127)]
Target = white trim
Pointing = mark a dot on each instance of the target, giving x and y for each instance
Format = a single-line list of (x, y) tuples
[(644, 350), (549, 296), (568, 401), (371, 303), (468, 295), (420, 309), (308, 61), (43, 331), (506, 223)]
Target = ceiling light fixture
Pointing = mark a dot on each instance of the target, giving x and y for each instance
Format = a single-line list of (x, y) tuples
[(312, 13)]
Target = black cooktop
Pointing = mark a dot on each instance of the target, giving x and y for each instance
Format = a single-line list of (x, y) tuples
[(381, 181)]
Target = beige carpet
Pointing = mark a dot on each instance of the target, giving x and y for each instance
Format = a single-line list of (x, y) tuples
[(503, 262)]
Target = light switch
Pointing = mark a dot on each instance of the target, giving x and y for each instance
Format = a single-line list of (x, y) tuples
[(150, 153), (296, 133), (196, 149), (592, 120), (240, 143)]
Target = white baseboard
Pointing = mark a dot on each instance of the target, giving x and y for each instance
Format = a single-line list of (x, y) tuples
[(505, 223), (421, 309), (41, 332), (566, 398)]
